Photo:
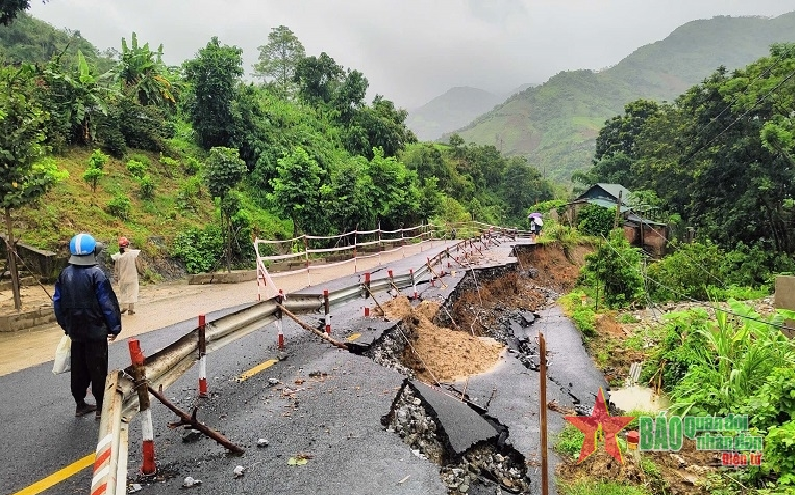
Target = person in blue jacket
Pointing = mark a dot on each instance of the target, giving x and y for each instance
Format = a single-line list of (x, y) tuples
[(87, 309)]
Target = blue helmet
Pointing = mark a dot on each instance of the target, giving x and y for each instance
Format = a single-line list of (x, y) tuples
[(82, 245), (83, 248)]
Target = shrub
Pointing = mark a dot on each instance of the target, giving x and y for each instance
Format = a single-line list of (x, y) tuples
[(686, 272), (147, 190), (92, 176), (136, 168), (596, 220), (780, 453), (739, 354), (188, 194), (192, 166), (120, 207), (199, 249), (679, 350), (169, 163), (585, 320), (755, 265), (616, 265), (138, 157), (98, 159)]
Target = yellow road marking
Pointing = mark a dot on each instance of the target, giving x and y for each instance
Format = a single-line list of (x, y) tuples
[(58, 476), (257, 369), (354, 336)]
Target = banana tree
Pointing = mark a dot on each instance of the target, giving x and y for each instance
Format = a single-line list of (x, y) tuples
[(143, 76), (78, 96)]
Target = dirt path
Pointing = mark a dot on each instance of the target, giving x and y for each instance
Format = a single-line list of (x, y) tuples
[(162, 305)]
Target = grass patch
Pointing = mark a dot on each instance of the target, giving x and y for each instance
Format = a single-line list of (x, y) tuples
[(569, 441), (591, 487)]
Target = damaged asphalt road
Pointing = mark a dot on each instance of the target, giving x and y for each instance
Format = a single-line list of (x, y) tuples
[(318, 420)]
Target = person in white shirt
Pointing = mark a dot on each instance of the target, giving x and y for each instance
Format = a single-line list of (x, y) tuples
[(127, 275)]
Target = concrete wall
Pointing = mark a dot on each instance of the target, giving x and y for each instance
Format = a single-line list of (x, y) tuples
[(785, 299), (233, 277), (43, 263), (654, 239), (27, 319)]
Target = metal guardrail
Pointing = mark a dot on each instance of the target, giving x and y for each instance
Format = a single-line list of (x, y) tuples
[(164, 367)]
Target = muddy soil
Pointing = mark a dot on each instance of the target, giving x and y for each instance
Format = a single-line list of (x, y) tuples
[(439, 354), (675, 473)]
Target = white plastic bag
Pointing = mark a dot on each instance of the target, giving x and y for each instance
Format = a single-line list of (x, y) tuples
[(63, 356)]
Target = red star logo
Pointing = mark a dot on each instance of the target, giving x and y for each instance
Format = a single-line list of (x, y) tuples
[(600, 420)]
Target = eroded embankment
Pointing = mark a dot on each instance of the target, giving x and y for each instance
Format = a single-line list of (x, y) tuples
[(487, 318)]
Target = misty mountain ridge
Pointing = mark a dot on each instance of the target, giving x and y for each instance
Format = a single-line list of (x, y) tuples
[(556, 124), (455, 109)]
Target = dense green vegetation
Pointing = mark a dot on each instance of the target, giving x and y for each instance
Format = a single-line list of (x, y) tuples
[(195, 155), (555, 124), (720, 156)]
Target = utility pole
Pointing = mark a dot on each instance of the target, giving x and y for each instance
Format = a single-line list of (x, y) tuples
[(618, 210), (543, 368)]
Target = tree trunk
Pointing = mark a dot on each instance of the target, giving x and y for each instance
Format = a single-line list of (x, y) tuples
[(12, 261), (228, 244)]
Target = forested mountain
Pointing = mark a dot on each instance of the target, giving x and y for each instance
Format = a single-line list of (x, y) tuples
[(28, 39), (455, 109), (555, 125), (452, 110)]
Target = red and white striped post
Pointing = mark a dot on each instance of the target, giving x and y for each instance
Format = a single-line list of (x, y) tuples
[(367, 294), (148, 468), (326, 310), (202, 357), (414, 284), (280, 300)]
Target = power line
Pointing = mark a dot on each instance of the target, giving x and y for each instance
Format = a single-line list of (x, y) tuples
[(684, 296), (758, 101), (737, 97)]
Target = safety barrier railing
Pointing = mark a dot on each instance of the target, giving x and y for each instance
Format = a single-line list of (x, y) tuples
[(124, 389)]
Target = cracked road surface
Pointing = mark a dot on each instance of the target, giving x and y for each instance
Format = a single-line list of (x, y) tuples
[(319, 403)]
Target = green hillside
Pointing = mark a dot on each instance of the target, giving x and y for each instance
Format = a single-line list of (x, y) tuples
[(28, 39), (129, 146), (555, 124)]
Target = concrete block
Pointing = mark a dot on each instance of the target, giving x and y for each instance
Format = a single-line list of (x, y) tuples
[(785, 299)]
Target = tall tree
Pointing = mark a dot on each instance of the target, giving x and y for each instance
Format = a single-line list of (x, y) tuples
[(278, 60), (9, 9), (318, 78), (297, 188), (24, 175), (214, 75), (223, 172)]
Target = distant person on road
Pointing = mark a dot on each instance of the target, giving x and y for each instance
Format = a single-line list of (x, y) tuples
[(127, 275), (87, 309), (539, 225)]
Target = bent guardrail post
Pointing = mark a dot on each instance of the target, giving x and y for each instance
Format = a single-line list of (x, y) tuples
[(190, 420), (367, 292), (278, 314), (327, 315), (313, 330), (202, 357), (107, 475), (148, 468)]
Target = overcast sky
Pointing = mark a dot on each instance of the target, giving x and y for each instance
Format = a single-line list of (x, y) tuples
[(409, 50)]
